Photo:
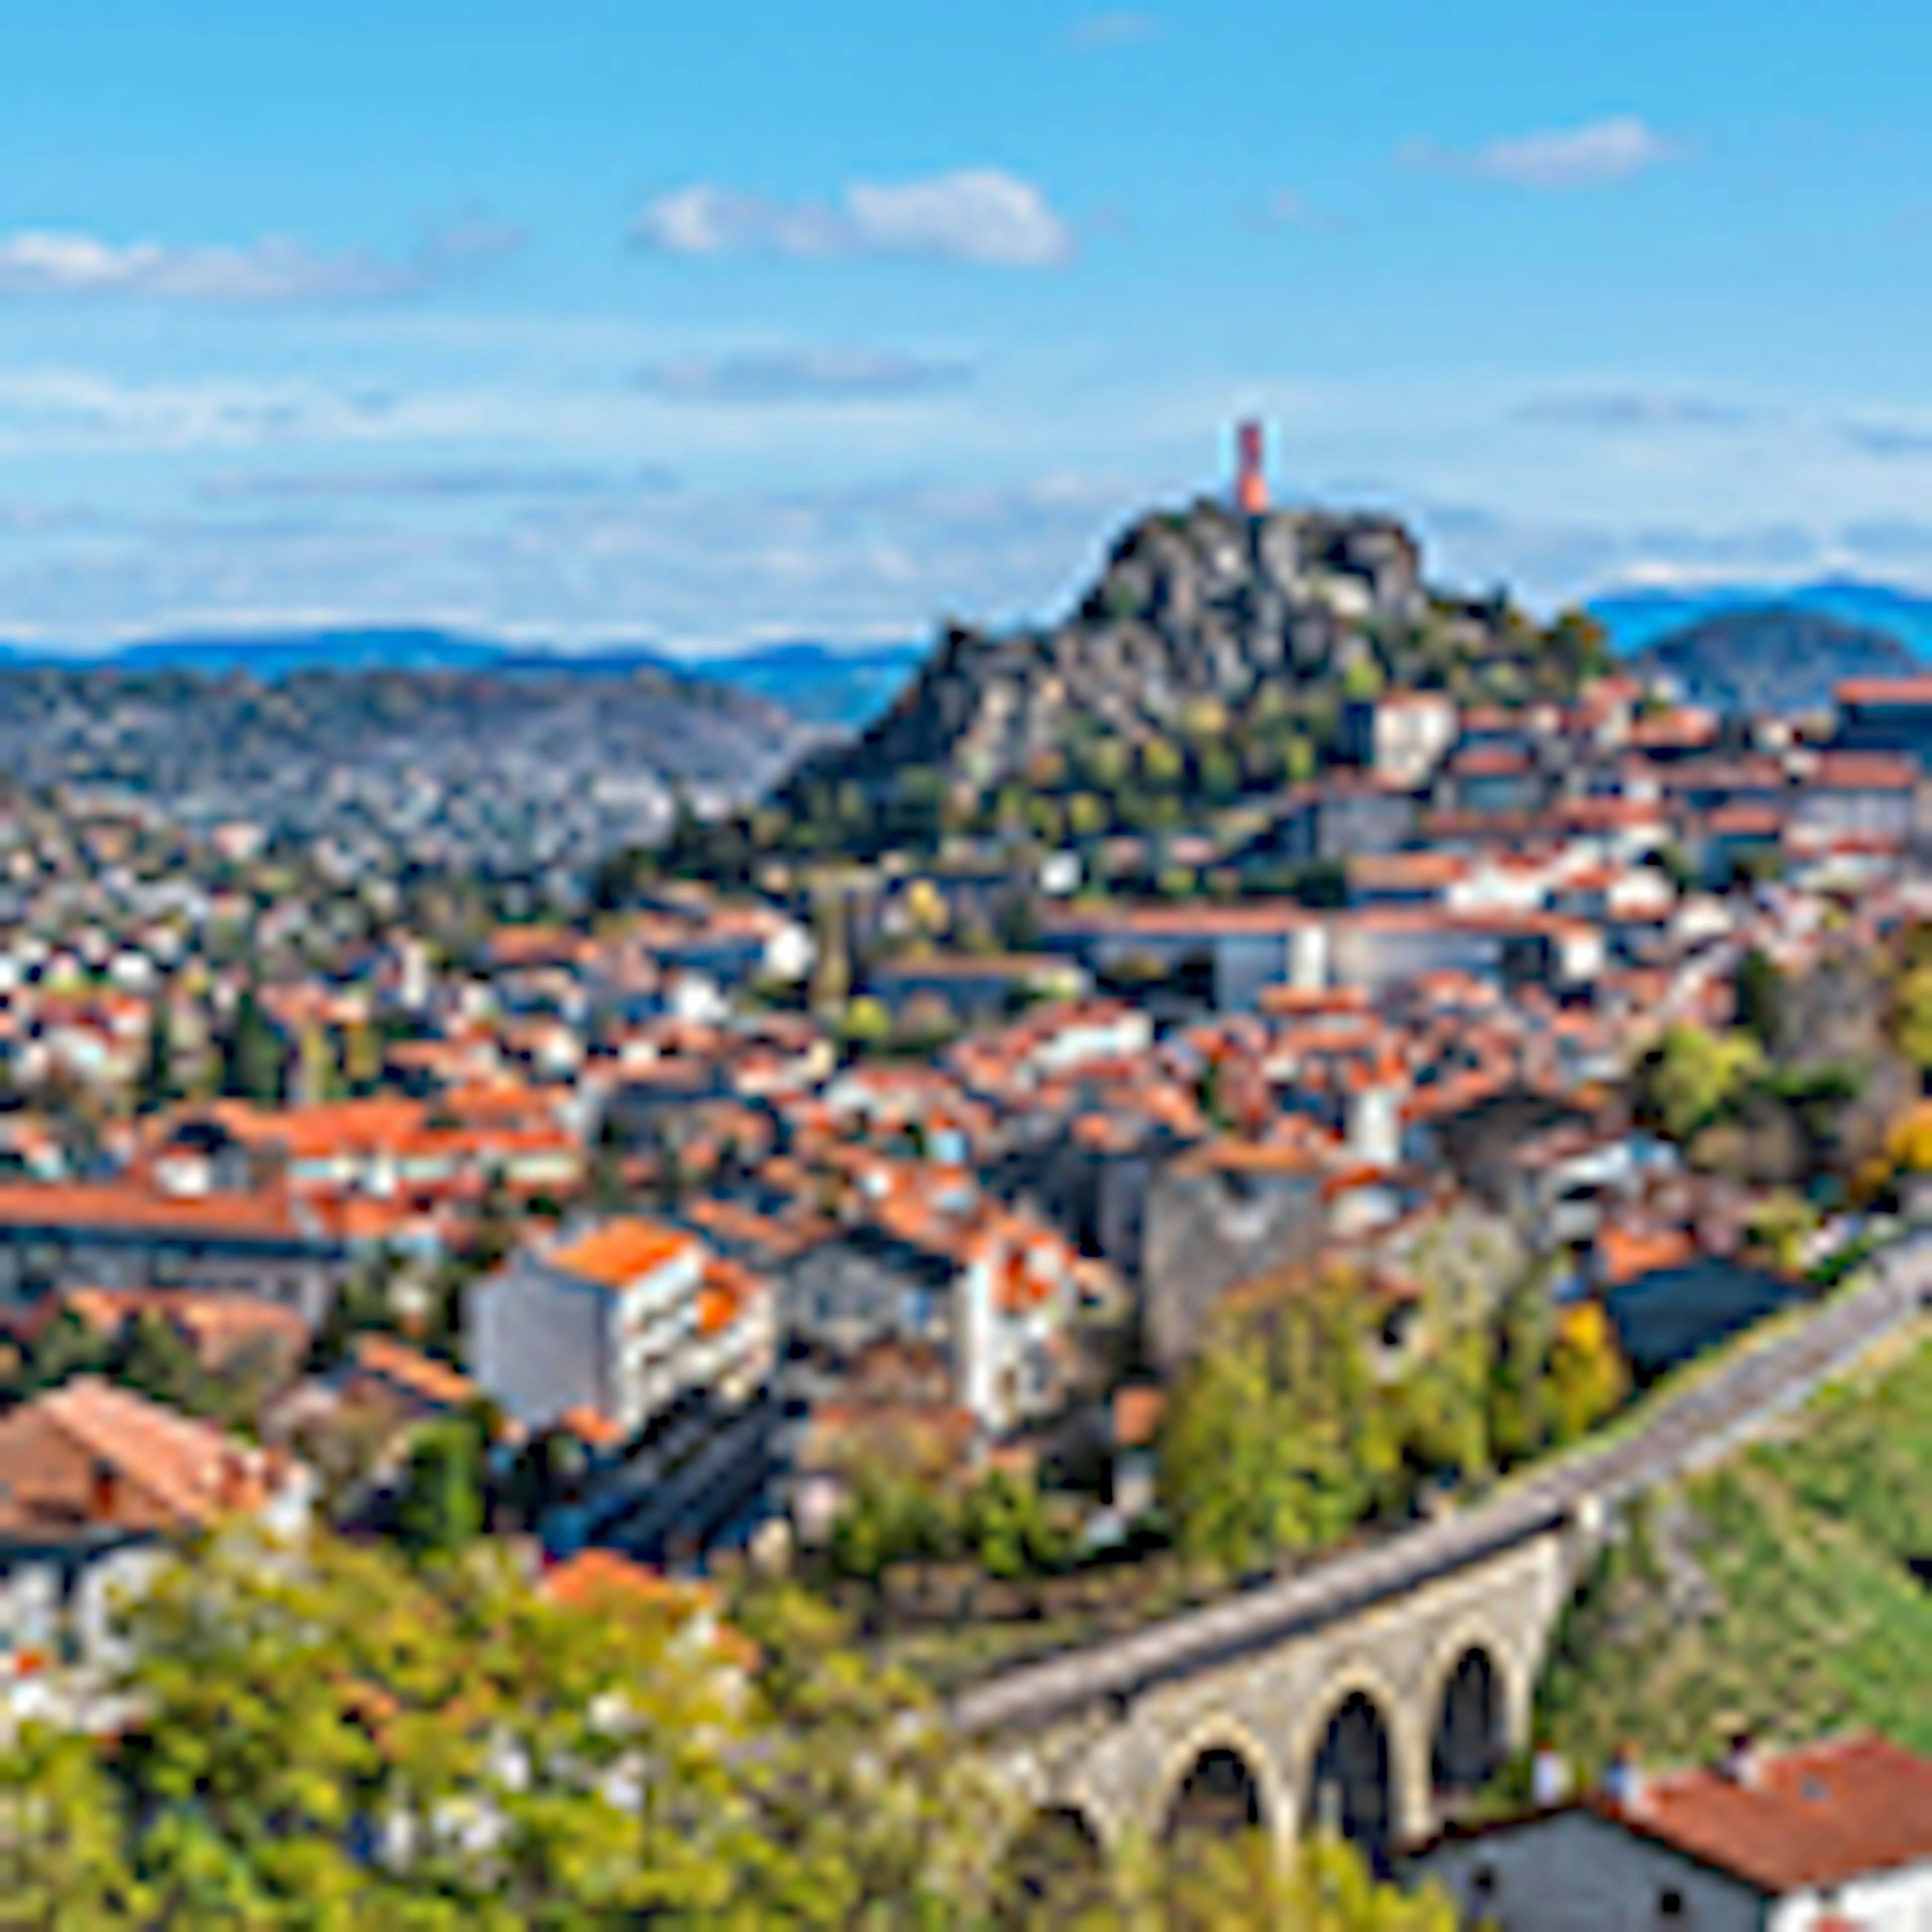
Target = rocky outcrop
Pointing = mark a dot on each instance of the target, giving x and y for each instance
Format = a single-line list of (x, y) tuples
[(1193, 611)]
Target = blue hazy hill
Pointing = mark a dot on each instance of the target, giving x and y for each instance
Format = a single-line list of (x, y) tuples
[(1773, 657), (818, 683), (1638, 619)]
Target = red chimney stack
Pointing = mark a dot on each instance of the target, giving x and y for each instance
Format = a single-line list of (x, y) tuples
[(103, 1491), (1251, 496)]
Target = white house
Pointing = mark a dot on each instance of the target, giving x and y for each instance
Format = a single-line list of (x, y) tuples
[(619, 1321), (1834, 1838)]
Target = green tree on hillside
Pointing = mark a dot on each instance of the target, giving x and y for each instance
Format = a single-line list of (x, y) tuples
[(347, 1743), (1276, 1438), (1693, 1075), (1162, 766), (156, 1358), (1236, 1884), (253, 1064), (440, 1510), (155, 1086), (1520, 1420), (1777, 1592), (1911, 1017), (1760, 998), (1588, 1380)]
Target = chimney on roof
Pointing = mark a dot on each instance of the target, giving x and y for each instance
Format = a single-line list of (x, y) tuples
[(1375, 1122), (103, 1491), (1744, 1763), (231, 1481), (1623, 1784)]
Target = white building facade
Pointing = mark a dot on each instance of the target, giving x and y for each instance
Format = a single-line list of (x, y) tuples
[(620, 1322)]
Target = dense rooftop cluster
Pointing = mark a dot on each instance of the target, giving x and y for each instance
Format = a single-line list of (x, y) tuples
[(920, 1204)]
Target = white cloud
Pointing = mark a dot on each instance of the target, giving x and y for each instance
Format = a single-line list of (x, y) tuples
[(275, 271), (1638, 410), (455, 482), (1549, 560), (979, 215), (1114, 30), (1905, 439), (704, 220), (1282, 208), (1591, 156), (801, 376), (54, 408), (713, 566)]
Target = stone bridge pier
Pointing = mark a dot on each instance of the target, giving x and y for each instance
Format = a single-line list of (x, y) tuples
[(1362, 1720)]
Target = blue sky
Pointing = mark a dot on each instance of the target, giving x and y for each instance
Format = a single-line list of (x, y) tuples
[(608, 319)]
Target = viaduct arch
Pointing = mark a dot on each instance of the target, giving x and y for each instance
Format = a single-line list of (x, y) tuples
[(1366, 1720), (1373, 1691)]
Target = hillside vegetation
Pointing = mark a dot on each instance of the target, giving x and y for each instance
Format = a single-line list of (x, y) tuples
[(1786, 1591), (1637, 618), (1772, 659)]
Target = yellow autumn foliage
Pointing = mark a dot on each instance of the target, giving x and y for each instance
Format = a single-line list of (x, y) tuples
[(1908, 1146)]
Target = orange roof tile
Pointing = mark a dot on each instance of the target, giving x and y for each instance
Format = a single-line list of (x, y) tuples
[(90, 1453), (1808, 1820), (1868, 691), (412, 1372), (592, 1574), (619, 1252), (119, 1205), (592, 1427), (1137, 1416), (1626, 1253)]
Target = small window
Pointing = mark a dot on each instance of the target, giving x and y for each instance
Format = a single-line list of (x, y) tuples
[(1670, 1909)]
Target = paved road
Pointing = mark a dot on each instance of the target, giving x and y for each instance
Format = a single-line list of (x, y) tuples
[(1765, 1376)]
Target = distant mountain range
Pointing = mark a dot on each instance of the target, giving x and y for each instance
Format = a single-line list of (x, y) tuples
[(1638, 619), (822, 686), (1774, 659), (1741, 647), (815, 682), (844, 689)]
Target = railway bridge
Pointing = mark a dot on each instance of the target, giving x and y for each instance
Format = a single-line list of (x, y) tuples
[(1365, 1694)]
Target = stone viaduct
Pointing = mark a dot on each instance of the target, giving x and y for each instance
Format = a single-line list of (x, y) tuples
[(1365, 1693)]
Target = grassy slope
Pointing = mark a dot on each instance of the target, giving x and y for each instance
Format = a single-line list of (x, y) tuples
[(1776, 1592)]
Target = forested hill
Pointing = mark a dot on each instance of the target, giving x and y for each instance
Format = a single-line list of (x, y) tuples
[(1789, 1592), (1772, 657)]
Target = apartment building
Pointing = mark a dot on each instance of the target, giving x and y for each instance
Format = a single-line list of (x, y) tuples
[(617, 1321)]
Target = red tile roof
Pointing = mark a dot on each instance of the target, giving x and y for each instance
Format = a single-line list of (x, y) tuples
[(592, 1427), (122, 1207), (413, 1374), (1864, 771), (1881, 691), (1809, 1820), (601, 1579), (89, 1454), (1627, 1254), (1137, 1412), (616, 1254)]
